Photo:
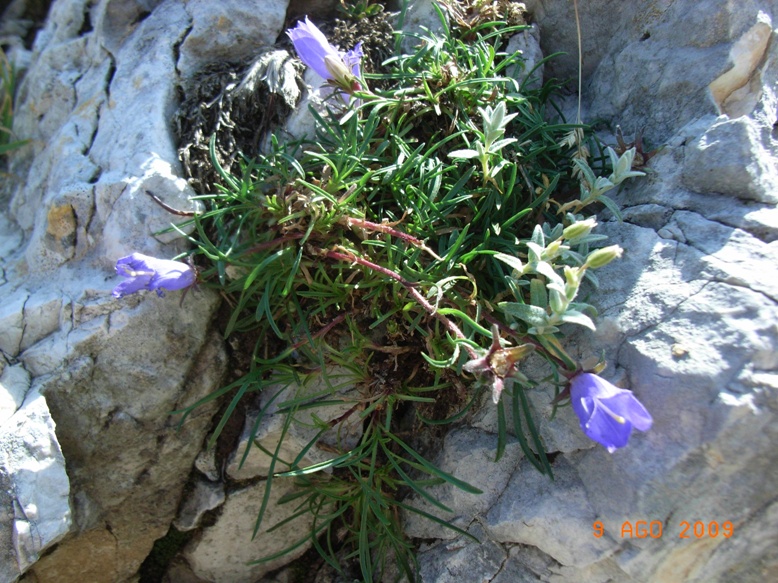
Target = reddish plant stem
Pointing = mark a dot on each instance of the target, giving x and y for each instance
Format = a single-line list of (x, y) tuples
[(351, 258), (270, 244), (169, 208), (346, 415), (383, 228), (420, 299), (321, 332)]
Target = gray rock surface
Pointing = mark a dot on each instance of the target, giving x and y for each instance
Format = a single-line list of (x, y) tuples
[(92, 467), (463, 559), (307, 424), (230, 30), (222, 552), (528, 43), (34, 504), (688, 318), (638, 57), (204, 496), (97, 111), (465, 452), (733, 157)]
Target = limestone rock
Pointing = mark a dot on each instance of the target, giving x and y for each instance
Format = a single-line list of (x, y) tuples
[(639, 58), (11, 318), (231, 30), (34, 487), (205, 463), (307, 424), (97, 111), (737, 90), (528, 43), (14, 385), (731, 158), (465, 453), (555, 519), (205, 496), (463, 559), (222, 551)]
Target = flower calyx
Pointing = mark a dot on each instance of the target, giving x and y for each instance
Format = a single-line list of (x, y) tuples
[(499, 363)]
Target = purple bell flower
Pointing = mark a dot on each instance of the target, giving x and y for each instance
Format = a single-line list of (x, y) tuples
[(606, 412), (144, 272), (338, 67)]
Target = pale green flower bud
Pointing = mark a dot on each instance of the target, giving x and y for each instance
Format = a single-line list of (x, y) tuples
[(341, 74), (552, 251), (602, 257), (580, 229), (573, 276), (557, 302)]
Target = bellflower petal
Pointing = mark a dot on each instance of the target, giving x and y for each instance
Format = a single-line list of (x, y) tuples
[(353, 58), (150, 273), (313, 48), (607, 414)]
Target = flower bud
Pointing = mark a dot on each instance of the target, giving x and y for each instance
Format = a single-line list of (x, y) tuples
[(602, 257), (557, 302), (552, 251), (580, 229), (339, 71), (573, 276)]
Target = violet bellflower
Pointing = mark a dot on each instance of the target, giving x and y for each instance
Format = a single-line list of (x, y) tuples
[(144, 272), (338, 67), (606, 412)]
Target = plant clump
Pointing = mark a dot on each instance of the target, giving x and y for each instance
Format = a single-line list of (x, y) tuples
[(434, 232)]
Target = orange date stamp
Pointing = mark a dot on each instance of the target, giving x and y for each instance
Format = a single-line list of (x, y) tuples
[(655, 529)]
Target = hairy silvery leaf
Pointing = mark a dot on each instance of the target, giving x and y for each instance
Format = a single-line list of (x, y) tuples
[(500, 144), (534, 252), (554, 232), (497, 168), (514, 262), (611, 206), (495, 121), (538, 294), (622, 167), (537, 236), (556, 300), (582, 307), (601, 186), (532, 315), (466, 154), (544, 268), (574, 317)]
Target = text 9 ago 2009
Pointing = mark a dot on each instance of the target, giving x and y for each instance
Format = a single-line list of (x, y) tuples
[(654, 529)]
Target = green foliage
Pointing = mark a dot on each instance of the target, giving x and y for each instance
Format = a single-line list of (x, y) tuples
[(7, 94), (356, 9), (406, 237)]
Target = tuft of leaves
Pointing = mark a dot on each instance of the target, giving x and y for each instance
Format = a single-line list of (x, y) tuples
[(440, 214)]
